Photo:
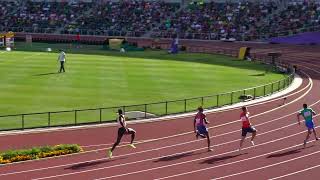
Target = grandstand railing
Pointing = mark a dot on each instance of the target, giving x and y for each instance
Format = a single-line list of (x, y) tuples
[(151, 110), (79, 31), (163, 34)]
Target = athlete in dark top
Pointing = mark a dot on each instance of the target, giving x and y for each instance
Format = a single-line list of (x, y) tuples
[(123, 129)]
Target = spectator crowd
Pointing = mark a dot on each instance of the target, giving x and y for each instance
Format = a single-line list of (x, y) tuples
[(238, 20)]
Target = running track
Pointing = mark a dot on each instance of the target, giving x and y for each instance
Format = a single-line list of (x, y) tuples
[(169, 150)]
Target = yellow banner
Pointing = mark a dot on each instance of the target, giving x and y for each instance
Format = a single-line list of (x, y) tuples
[(9, 34), (242, 53)]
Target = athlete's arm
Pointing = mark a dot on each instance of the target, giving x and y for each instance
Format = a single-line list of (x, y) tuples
[(206, 121), (247, 117), (313, 113), (194, 125), (298, 116)]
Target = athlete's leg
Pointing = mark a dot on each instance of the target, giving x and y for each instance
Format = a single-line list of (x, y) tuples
[(253, 136), (307, 137), (315, 134), (208, 140), (243, 137), (241, 141), (133, 134), (120, 134)]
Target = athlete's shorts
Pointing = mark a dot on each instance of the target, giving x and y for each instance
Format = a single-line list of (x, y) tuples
[(250, 129), (309, 124), (202, 129), (122, 131)]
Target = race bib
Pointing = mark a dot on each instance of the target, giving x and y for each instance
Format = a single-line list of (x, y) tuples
[(198, 121), (307, 114)]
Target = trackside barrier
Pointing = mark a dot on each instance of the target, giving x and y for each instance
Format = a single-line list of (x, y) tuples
[(143, 111)]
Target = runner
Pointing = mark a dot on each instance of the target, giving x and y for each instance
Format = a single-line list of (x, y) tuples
[(307, 114), (246, 127), (200, 127), (122, 131)]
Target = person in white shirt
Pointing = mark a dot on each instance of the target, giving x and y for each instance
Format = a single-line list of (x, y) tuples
[(62, 60)]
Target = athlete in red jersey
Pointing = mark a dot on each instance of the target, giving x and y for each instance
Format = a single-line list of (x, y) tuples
[(200, 127), (246, 126)]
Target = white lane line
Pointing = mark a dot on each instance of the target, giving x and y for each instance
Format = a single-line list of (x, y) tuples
[(297, 172), (165, 166), (271, 165), (97, 145), (151, 140), (164, 147), (234, 162), (150, 150), (190, 172), (145, 160)]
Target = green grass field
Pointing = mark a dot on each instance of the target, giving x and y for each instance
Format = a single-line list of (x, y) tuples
[(98, 78)]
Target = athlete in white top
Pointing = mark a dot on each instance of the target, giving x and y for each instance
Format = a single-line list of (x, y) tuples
[(62, 60), (123, 129)]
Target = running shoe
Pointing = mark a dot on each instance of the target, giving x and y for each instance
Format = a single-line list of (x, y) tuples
[(304, 143), (252, 143), (203, 136), (132, 145), (110, 154)]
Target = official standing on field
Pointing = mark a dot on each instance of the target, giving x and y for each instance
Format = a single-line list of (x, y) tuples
[(62, 60)]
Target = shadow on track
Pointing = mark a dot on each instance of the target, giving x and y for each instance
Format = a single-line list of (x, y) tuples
[(91, 164), (176, 157), (220, 159), (291, 152)]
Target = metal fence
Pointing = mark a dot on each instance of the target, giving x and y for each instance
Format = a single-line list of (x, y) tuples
[(141, 111)]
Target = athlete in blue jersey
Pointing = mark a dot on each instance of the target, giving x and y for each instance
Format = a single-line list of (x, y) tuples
[(307, 114)]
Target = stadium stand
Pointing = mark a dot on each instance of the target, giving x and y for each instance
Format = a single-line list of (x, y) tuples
[(245, 21)]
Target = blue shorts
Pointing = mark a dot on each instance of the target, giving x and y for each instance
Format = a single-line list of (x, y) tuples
[(202, 129), (245, 131), (309, 124)]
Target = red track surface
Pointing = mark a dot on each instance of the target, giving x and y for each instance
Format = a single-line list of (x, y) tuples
[(278, 151)]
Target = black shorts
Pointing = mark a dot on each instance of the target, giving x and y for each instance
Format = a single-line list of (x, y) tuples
[(250, 129), (122, 131)]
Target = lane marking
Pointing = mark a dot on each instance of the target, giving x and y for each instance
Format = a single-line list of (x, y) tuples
[(297, 172), (174, 145), (190, 172), (155, 149), (151, 140), (271, 165), (165, 166)]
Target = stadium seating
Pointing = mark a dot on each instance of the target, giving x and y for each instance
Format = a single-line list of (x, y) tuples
[(233, 20)]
